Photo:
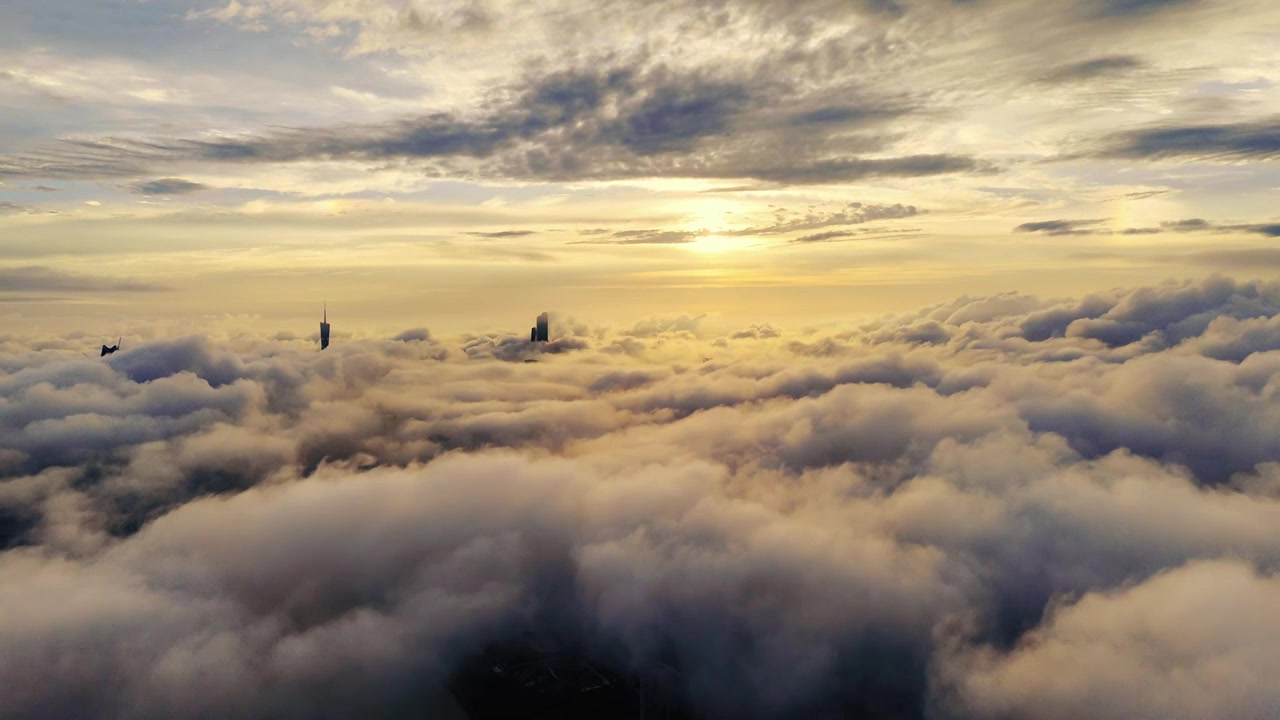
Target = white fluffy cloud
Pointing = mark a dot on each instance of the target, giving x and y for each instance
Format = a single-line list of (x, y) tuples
[(995, 508)]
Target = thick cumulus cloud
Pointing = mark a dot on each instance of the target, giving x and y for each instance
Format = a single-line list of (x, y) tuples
[(997, 507)]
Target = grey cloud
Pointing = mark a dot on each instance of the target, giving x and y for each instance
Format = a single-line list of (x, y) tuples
[(1171, 313), (1211, 609), (414, 335), (645, 237), (504, 233), (1090, 69), (622, 381), (1268, 229), (619, 122), (756, 332), (1059, 227), (826, 347), (854, 213), (824, 236), (430, 348), (929, 332), (167, 186), (12, 208), (1187, 225), (34, 278), (1239, 258), (673, 115), (545, 104), (689, 324), (1234, 340), (1121, 8), (850, 169), (515, 349), (1257, 140), (1090, 227), (846, 114)]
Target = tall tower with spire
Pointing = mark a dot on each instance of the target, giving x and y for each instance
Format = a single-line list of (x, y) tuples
[(324, 327)]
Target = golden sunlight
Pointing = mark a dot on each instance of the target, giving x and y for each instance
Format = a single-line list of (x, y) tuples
[(715, 244)]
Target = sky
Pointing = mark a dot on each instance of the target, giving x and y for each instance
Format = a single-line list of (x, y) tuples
[(908, 359), (465, 163)]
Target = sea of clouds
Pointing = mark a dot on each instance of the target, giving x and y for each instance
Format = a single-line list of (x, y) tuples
[(999, 507)]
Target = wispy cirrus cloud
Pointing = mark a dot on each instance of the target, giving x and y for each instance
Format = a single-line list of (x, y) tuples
[(1252, 140), (36, 278), (1090, 227), (167, 186), (1086, 70)]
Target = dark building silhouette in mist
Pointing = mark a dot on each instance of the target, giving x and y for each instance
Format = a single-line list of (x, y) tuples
[(542, 331), (108, 349), (324, 328), (519, 680)]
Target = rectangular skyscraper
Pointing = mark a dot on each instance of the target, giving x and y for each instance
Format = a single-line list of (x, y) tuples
[(543, 329), (324, 328)]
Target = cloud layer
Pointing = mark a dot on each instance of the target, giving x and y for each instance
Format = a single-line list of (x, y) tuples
[(997, 507)]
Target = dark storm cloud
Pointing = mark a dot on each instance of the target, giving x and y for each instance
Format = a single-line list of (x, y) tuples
[(34, 278), (1090, 69), (167, 186), (1257, 140), (926, 516)]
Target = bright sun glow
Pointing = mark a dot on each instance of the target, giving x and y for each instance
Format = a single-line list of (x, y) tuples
[(713, 244)]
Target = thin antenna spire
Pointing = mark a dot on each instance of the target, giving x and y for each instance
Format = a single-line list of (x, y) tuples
[(324, 327)]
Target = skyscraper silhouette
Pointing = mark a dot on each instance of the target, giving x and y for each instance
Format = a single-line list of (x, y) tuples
[(324, 328), (542, 331)]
